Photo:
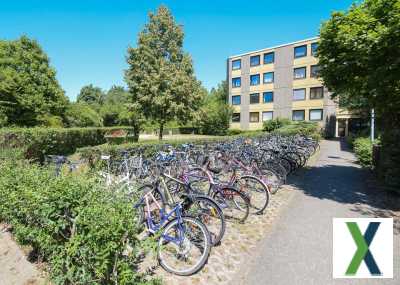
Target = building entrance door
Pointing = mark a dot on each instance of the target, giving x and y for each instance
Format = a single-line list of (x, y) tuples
[(341, 127)]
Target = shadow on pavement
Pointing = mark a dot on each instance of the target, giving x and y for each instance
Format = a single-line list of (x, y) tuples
[(350, 185)]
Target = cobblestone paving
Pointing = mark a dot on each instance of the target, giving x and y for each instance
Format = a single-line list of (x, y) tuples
[(237, 246)]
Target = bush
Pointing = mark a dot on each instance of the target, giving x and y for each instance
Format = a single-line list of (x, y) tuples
[(72, 223), (309, 129), (272, 125), (232, 132), (363, 151), (38, 142)]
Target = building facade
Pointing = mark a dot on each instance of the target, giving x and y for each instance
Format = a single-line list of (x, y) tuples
[(280, 81)]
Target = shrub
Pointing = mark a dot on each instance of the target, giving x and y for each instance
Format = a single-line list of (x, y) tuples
[(232, 132), (38, 142), (272, 125), (363, 151), (72, 223), (304, 128)]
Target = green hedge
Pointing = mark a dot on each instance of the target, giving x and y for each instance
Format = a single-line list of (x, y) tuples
[(37, 142), (363, 150), (310, 129), (78, 228)]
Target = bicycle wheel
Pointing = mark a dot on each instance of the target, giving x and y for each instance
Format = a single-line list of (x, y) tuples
[(234, 203), (256, 191), (209, 213), (198, 180), (184, 246), (272, 180)]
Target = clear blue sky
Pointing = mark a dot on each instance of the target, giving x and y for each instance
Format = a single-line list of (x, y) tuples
[(86, 40)]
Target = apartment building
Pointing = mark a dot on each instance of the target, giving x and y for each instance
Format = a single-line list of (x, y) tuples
[(280, 81)]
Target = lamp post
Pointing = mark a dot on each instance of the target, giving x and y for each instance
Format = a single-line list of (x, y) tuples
[(372, 125)]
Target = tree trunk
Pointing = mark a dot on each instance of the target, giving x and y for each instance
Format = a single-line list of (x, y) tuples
[(136, 132), (161, 130)]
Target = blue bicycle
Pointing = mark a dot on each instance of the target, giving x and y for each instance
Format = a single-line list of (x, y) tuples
[(184, 244)]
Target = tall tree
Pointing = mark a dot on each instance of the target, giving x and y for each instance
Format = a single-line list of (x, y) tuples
[(29, 90), (91, 95), (360, 62), (160, 75), (215, 113)]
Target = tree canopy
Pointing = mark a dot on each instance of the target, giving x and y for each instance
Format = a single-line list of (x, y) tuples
[(90, 94), (29, 91), (360, 57), (215, 113), (160, 76)]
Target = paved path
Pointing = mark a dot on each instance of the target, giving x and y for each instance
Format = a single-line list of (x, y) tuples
[(299, 248), (15, 269)]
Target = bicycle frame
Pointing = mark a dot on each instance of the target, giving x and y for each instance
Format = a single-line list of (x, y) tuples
[(165, 218)]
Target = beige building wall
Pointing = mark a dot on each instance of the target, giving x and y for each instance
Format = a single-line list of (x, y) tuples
[(284, 83)]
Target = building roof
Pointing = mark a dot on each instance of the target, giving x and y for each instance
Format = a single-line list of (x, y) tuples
[(274, 47)]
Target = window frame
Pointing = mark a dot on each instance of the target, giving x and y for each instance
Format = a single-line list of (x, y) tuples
[(322, 115), (258, 117), (305, 94), (302, 46), (255, 56), (258, 96), (314, 52), (259, 79), (273, 77), (301, 110), (297, 68), (311, 70), (317, 87), (240, 100), (240, 82), (240, 64), (269, 53), (233, 114), (262, 115), (272, 92)]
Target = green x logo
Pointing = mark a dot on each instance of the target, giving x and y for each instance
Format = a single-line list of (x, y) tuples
[(363, 252)]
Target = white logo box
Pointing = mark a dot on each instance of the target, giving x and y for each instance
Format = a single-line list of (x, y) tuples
[(344, 247)]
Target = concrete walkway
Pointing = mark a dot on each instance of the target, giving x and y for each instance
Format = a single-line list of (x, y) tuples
[(299, 248)]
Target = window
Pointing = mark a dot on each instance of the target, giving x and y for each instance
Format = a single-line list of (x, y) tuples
[(300, 51), (254, 60), (236, 82), (316, 92), (236, 64), (314, 47), (314, 71), (268, 97), (236, 100), (255, 79), (268, 77), (298, 115), (316, 115), (254, 117), (269, 57), (300, 73), (266, 116), (299, 94), (235, 117), (255, 98)]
